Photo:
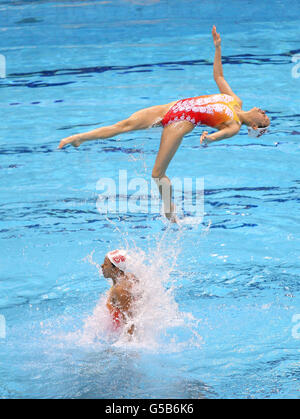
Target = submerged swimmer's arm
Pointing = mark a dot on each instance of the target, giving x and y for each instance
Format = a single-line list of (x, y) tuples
[(219, 135), (218, 69)]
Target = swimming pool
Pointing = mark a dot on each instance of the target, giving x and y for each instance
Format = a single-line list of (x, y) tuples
[(224, 298)]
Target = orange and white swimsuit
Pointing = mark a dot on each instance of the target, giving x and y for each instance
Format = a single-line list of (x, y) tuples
[(116, 316), (211, 110)]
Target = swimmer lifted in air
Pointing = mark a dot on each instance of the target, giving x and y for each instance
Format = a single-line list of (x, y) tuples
[(221, 111), (121, 295)]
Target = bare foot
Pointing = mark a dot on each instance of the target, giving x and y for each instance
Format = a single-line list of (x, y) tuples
[(171, 216), (74, 140)]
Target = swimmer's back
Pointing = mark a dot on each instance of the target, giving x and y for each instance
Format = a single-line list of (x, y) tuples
[(121, 297)]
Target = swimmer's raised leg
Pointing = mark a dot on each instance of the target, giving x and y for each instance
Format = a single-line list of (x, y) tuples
[(142, 119), (170, 141)]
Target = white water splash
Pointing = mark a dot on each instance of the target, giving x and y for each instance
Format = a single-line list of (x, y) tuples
[(159, 323)]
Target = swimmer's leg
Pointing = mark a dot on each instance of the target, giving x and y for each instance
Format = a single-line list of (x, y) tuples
[(142, 119), (170, 141)]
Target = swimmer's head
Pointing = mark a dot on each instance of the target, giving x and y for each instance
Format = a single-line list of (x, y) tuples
[(114, 264), (258, 122), (108, 269)]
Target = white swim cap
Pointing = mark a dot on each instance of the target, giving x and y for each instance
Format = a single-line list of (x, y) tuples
[(119, 258), (258, 132)]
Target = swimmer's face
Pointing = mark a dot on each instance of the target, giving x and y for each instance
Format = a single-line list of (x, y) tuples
[(259, 118), (107, 268)]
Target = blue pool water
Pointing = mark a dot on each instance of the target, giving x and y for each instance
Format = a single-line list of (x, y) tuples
[(223, 295)]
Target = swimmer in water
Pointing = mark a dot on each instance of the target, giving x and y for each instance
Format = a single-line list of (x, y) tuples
[(120, 298), (222, 111)]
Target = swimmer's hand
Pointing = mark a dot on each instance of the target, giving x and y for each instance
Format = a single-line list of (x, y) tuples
[(131, 329), (203, 139), (216, 37), (74, 140)]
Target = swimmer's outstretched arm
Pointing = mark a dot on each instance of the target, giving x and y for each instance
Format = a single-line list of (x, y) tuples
[(219, 135), (218, 69)]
